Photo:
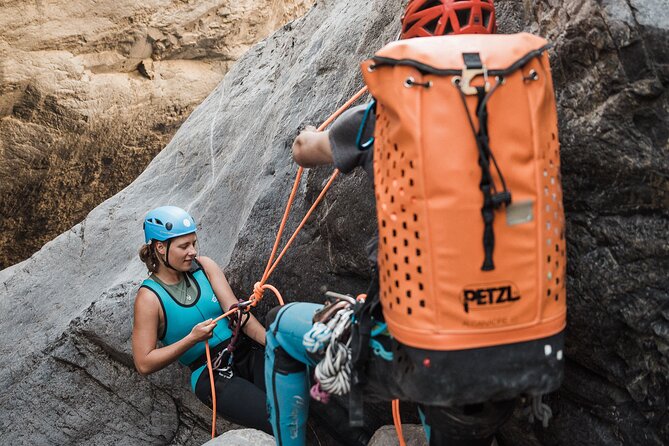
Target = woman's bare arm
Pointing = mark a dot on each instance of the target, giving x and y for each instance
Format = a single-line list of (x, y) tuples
[(147, 356)]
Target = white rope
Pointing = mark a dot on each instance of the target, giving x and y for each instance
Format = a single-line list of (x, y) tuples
[(539, 410), (333, 372), (320, 334), (314, 340)]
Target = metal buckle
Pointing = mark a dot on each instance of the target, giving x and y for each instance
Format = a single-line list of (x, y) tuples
[(468, 74), (225, 372)]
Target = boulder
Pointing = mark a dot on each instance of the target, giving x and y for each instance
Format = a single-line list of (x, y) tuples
[(413, 434), (242, 437)]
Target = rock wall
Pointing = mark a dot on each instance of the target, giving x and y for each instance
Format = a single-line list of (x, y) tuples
[(91, 91), (611, 70), (65, 313)]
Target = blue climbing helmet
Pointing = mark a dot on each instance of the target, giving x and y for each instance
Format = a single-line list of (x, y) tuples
[(167, 222)]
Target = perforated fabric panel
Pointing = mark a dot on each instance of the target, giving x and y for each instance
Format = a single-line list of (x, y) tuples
[(402, 248), (555, 258), (554, 231)]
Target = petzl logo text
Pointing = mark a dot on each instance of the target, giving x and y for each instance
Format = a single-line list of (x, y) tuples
[(488, 297)]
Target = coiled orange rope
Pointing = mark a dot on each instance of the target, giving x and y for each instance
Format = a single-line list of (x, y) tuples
[(260, 287)]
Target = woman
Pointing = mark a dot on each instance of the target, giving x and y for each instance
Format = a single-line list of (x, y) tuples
[(176, 305)]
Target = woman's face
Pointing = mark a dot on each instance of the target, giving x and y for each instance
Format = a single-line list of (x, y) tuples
[(182, 251)]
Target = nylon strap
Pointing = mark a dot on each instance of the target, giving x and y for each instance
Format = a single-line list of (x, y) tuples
[(360, 336)]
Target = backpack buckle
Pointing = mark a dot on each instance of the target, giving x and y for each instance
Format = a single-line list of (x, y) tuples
[(501, 198), (473, 68), (464, 82)]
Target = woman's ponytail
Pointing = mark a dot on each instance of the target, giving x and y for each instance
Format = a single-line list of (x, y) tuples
[(147, 254)]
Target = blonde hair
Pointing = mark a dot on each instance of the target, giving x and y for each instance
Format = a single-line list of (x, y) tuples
[(148, 255)]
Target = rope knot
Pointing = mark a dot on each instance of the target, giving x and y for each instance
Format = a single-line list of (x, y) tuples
[(258, 291)]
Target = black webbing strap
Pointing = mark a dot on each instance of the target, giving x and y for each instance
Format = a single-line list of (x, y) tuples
[(237, 321), (487, 184), (472, 61), (492, 200), (364, 318)]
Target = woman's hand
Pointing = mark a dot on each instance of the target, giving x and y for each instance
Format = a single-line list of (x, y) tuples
[(203, 331), (312, 148)]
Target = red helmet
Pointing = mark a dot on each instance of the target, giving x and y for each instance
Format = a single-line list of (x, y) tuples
[(425, 18)]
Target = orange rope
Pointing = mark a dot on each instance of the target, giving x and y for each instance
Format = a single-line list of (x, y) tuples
[(304, 220), (213, 390), (272, 266), (282, 225), (260, 287), (397, 420)]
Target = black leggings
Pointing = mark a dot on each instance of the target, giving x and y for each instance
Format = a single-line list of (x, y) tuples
[(240, 398)]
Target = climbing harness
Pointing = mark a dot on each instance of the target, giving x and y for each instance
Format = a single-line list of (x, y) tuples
[(222, 363)]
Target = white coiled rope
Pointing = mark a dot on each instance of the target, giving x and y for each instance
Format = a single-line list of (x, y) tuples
[(314, 340), (333, 372)]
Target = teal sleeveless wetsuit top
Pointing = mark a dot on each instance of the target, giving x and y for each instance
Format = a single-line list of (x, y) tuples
[(180, 319)]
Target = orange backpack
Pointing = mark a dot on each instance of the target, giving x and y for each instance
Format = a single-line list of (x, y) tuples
[(467, 183)]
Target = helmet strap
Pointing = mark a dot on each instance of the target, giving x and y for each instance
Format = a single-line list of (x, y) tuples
[(167, 254), (165, 259)]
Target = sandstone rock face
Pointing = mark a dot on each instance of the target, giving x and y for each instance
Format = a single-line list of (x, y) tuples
[(65, 312), (91, 91)]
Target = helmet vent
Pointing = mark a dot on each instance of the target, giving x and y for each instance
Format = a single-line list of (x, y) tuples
[(409, 25), (486, 17), (431, 26), (158, 222), (449, 27), (431, 4), (463, 17)]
